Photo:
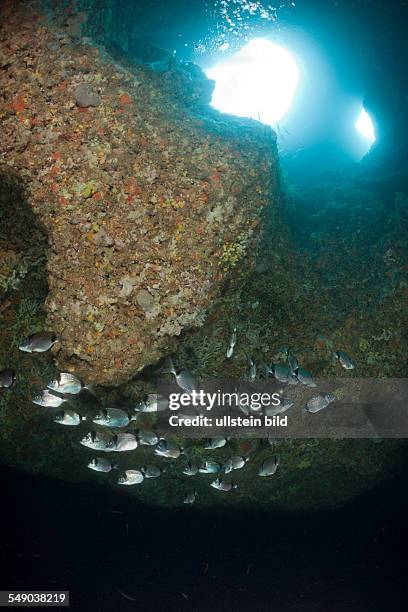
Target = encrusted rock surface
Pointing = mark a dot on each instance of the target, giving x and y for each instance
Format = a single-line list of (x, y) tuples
[(148, 204)]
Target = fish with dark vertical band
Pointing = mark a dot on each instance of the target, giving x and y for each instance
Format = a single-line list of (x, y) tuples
[(319, 402), (210, 467), (113, 417), (66, 383), (305, 377), (131, 477), (269, 466), (48, 399), (235, 463), (7, 378), (145, 437), (344, 359), (151, 471), (191, 469), (222, 485), (166, 448), (100, 464), (68, 417), (39, 342), (184, 378), (190, 497)]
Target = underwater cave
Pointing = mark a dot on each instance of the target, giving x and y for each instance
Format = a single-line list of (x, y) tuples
[(204, 201)]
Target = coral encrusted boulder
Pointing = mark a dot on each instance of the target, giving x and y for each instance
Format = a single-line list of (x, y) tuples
[(149, 199)]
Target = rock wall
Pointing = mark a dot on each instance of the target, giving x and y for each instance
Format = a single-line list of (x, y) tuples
[(149, 199)]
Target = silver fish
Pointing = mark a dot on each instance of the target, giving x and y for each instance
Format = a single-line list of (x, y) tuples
[(210, 467), (269, 466), (284, 405), (242, 402), (119, 443), (152, 403), (131, 477), (318, 402), (252, 368), (344, 359), (186, 381), (145, 437), (292, 361), (184, 378), (222, 485), (68, 417), (190, 497), (232, 343), (186, 413), (122, 442), (100, 464), (96, 441), (190, 469), (7, 378), (48, 399), (235, 463), (305, 377), (38, 343), (66, 383), (112, 417), (166, 448), (217, 442), (281, 372), (151, 471)]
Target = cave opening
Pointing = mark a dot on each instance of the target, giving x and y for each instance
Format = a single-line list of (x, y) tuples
[(258, 82), (328, 274), (365, 126)]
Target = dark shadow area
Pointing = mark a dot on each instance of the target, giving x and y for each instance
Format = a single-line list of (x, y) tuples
[(349, 242), (23, 290), (113, 554), (21, 235)]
